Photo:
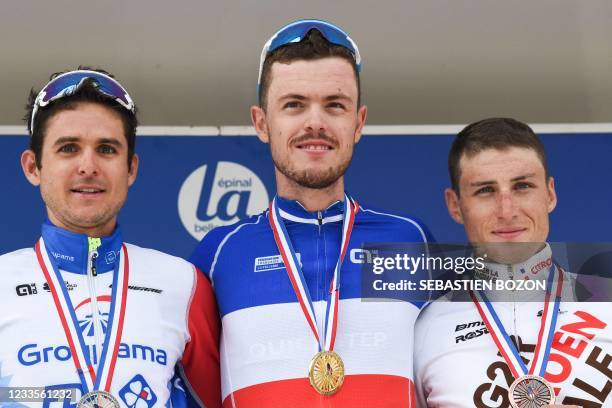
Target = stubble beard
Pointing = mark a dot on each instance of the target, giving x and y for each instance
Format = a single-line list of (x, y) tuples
[(75, 221), (311, 178)]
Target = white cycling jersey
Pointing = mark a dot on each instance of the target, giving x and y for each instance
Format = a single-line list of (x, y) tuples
[(170, 319), (457, 363)]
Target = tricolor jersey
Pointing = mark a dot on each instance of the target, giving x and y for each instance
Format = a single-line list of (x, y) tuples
[(170, 320), (266, 342), (457, 363)]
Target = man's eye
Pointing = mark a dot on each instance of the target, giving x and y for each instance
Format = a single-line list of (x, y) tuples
[(68, 148), (336, 105), (522, 186), (107, 149), (485, 190), (293, 105)]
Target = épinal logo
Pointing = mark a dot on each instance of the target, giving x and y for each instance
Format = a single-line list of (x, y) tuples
[(219, 194)]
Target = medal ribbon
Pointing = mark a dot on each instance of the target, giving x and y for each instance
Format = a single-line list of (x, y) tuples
[(296, 276), (548, 322), (90, 379)]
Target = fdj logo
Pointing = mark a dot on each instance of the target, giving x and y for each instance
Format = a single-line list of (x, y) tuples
[(215, 195)]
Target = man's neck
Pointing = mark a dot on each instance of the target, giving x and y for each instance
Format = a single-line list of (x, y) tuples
[(98, 231), (312, 199)]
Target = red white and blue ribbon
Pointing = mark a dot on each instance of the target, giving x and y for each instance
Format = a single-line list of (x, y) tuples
[(294, 270), (92, 379), (554, 286)]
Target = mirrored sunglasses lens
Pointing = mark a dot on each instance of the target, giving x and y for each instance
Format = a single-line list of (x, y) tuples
[(60, 86), (68, 83), (296, 32), (113, 89)]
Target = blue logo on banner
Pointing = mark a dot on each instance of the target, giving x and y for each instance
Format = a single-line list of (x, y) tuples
[(222, 210), (219, 194)]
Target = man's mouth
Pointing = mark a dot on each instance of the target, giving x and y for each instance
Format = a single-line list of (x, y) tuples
[(315, 145), (509, 232), (87, 190)]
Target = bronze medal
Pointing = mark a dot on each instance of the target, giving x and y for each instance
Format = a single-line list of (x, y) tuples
[(531, 391)]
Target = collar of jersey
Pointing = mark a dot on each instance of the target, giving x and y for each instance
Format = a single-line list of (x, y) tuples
[(535, 268), (293, 210), (69, 250)]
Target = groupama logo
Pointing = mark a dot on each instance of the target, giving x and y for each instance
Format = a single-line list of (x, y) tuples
[(219, 194), (138, 394), (86, 318)]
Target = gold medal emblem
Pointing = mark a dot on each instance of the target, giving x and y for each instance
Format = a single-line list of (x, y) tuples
[(326, 372), (531, 391), (98, 399)]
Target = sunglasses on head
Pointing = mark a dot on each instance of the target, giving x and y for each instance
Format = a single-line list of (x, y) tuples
[(296, 31), (69, 82)]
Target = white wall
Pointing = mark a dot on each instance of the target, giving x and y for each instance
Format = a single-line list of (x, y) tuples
[(195, 62)]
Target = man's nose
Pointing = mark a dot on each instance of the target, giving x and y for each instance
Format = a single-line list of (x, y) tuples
[(506, 206), (88, 163), (315, 121)]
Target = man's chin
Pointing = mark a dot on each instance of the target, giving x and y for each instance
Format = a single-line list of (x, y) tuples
[(316, 180), (316, 184)]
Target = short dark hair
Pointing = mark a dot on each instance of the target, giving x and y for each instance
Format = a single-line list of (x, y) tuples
[(492, 133), (313, 46), (87, 92)]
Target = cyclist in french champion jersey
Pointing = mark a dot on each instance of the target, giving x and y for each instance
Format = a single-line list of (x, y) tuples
[(295, 331), (88, 320), (487, 348)]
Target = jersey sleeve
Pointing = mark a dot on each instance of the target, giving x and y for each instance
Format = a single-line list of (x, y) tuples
[(204, 256), (429, 237), (420, 335), (200, 362)]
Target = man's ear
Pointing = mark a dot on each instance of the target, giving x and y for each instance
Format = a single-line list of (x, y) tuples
[(260, 123), (552, 194), (452, 204), (29, 167), (362, 114), (133, 169)]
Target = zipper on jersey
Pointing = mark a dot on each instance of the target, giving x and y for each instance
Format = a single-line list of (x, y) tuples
[(94, 244)]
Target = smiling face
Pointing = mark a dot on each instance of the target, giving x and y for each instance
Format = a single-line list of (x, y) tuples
[(504, 196), (84, 176), (311, 121)]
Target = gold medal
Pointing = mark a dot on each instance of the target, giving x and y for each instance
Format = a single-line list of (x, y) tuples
[(531, 391), (326, 372), (98, 399)]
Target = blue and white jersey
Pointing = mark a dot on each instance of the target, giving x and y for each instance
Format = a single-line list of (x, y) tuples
[(266, 342)]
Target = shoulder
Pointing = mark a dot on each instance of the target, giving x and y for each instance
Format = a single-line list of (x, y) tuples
[(440, 319), (243, 231), (437, 309), (399, 227), (155, 269), (19, 257), (155, 258), (17, 267)]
